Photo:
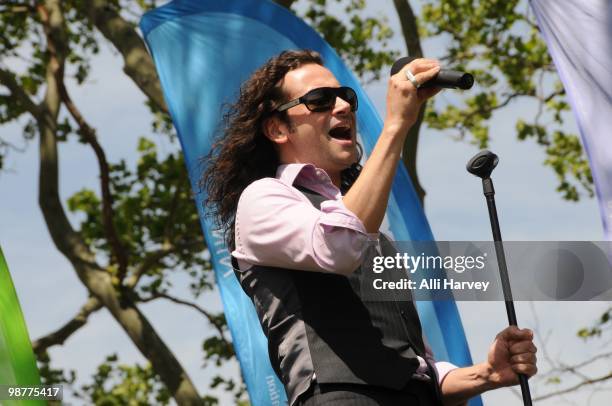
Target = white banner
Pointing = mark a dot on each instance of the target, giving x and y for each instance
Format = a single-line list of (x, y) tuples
[(579, 38)]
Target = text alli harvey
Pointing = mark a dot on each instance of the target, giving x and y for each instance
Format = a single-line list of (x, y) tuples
[(431, 284)]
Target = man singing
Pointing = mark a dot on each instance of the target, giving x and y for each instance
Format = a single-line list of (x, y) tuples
[(301, 217)]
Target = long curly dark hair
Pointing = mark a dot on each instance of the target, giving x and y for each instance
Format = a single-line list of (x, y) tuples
[(243, 153)]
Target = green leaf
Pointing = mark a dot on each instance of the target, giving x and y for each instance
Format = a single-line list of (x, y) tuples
[(119, 384)]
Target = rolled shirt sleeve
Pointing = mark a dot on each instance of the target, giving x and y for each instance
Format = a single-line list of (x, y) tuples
[(276, 225), (442, 368)]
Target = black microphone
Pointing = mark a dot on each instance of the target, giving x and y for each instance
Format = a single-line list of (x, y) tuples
[(446, 78)]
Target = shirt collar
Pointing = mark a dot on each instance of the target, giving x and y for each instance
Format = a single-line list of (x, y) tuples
[(305, 175), (287, 173)]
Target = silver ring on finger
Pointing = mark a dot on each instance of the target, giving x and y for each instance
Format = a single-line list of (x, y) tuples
[(412, 79)]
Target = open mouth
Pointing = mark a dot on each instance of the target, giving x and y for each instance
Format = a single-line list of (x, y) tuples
[(341, 133)]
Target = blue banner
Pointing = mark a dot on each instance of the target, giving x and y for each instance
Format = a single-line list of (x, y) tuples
[(203, 51)]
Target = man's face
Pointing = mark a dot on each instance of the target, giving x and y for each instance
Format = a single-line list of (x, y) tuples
[(325, 139)]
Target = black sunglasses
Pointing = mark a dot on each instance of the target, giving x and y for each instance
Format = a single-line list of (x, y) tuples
[(323, 99)]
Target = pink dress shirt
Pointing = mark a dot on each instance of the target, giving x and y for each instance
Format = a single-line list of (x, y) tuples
[(276, 225)]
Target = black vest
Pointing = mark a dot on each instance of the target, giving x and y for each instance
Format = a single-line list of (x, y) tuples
[(317, 322)]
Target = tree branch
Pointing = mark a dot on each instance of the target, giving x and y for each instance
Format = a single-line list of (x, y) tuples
[(490, 109), (7, 78), (149, 261), (60, 335), (214, 321), (559, 367), (138, 64), (575, 387), (154, 257), (552, 95), (572, 368), (410, 32), (65, 238), (118, 249), (409, 26), (462, 128)]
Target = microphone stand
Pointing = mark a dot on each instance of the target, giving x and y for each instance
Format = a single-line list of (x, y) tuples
[(481, 165)]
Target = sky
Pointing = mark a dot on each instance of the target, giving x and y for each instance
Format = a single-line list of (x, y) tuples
[(529, 210)]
